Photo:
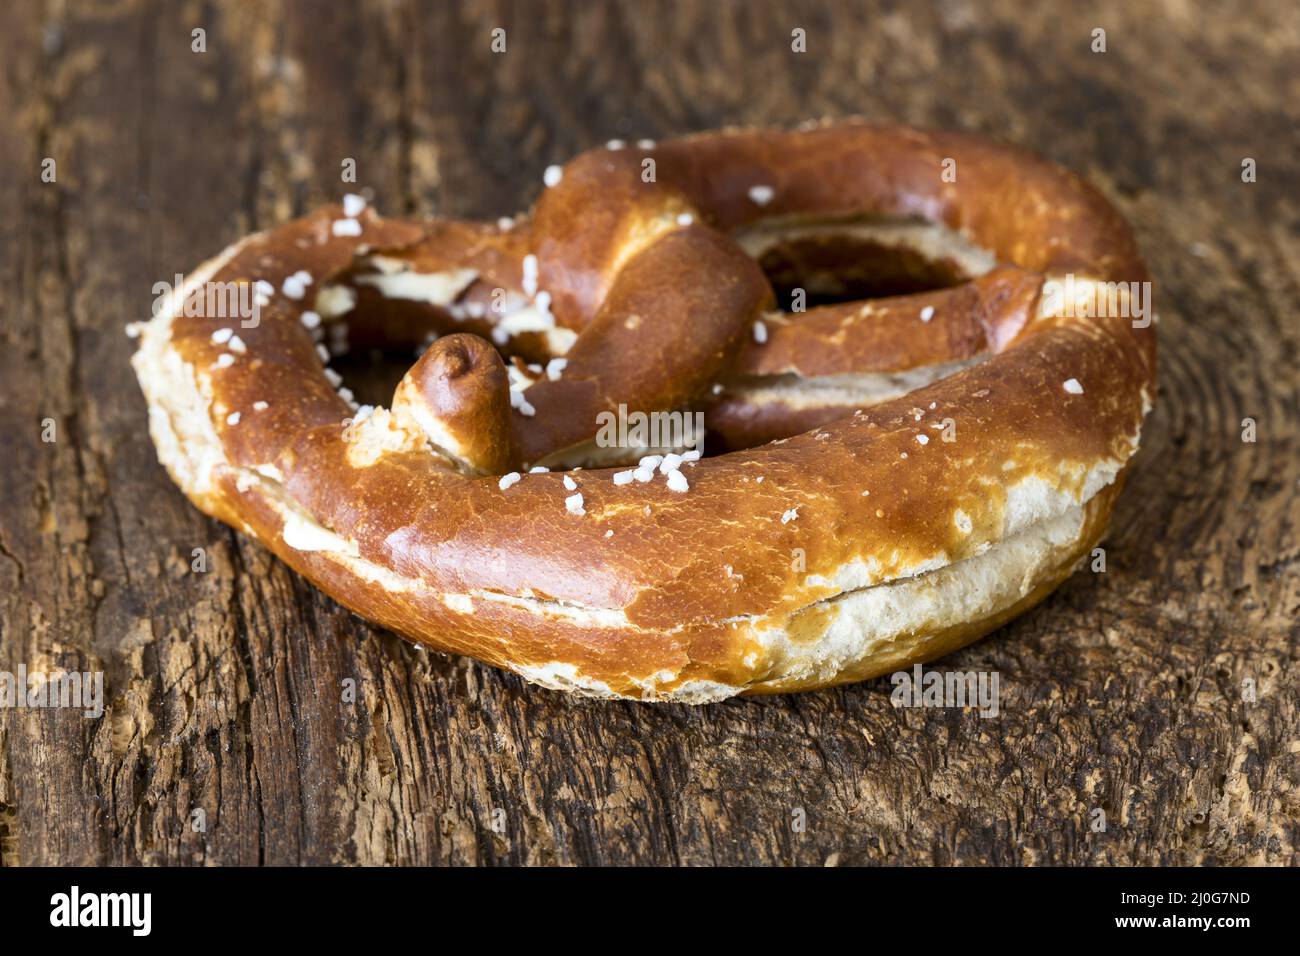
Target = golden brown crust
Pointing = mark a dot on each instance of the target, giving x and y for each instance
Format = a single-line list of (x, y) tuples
[(761, 570), (657, 342)]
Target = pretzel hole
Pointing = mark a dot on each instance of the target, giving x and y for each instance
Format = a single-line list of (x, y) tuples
[(834, 269), (384, 335), (373, 373), (835, 261)]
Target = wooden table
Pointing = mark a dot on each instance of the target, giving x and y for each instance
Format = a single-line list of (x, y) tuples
[(1122, 693)]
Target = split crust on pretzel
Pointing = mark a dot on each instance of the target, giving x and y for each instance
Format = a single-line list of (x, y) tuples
[(857, 542)]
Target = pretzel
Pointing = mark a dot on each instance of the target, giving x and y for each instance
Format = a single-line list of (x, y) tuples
[(909, 472)]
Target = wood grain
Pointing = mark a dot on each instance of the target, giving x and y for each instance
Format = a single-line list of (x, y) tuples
[(1122, 692)]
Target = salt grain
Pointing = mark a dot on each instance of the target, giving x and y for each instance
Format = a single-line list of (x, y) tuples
[(529, 280)]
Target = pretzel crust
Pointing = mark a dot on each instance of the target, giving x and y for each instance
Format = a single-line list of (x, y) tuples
[(841, 553)]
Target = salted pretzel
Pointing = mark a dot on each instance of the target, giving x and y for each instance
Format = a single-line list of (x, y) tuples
[(907, 472)]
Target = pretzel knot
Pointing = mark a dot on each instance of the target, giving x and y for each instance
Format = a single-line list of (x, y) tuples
[(903, 473)]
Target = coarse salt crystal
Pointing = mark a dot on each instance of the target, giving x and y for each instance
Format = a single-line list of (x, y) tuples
[(508, 480), (521, 404), (529, 280)]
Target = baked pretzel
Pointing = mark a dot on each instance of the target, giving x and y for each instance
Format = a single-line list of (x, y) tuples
[(932, 463)]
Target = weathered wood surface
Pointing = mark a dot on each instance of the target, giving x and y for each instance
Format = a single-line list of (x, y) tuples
[(1123, 692)]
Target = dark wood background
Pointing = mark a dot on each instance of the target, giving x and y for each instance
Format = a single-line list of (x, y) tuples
[(1122, 692)]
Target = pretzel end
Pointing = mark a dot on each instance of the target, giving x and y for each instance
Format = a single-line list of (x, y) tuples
[(458, 396)]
